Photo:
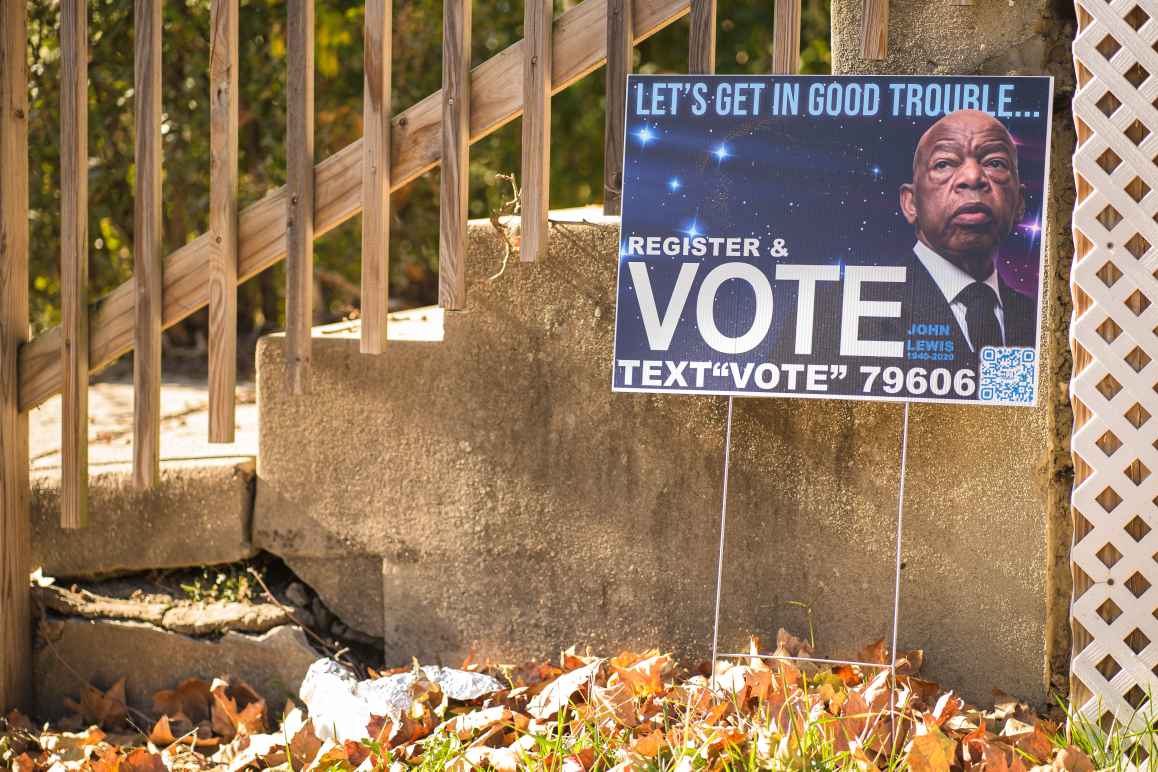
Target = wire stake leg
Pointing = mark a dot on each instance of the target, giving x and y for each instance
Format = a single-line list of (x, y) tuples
[(720, 557), (897, 578)]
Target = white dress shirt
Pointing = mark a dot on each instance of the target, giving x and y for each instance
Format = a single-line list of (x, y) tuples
[(951, 280)]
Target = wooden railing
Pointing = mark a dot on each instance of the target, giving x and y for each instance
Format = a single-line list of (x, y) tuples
[(316, 199)]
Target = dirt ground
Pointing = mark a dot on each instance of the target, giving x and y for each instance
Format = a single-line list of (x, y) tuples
[(184, 425)]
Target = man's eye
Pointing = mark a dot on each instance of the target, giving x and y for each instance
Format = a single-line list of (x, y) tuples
[(998, 163), (942, 164)]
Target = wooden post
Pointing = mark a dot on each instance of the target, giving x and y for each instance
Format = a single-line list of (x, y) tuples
[(148, 256), (222, 219), (538, 18), (74, 262), (874, 32), (300, 187), (15, 542), (702, 38), (786, 38), (620, 39), (453, 198), (376, 177)]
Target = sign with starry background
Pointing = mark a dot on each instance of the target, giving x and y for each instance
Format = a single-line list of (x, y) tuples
[(833, 237)]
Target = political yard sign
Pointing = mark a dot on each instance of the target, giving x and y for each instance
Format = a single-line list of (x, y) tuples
[(844, 237)]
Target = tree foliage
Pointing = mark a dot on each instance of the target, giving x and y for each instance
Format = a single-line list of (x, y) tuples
[(744, 46)]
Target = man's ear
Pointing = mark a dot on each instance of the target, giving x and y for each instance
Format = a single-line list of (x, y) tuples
[(1021, 202), (909, 203)]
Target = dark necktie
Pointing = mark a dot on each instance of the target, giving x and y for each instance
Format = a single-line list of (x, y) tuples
[(980, 317)]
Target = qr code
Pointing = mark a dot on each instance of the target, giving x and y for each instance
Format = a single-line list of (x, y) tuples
[(1008, 375)]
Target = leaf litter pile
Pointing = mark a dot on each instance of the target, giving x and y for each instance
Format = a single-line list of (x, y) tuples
[(636, 711)]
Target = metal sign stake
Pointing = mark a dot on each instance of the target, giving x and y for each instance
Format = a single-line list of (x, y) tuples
[(892, 666), (897, 577), (720, 557)]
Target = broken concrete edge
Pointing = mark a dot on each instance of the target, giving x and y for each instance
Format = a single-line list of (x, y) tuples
[(200, 513), (208, 618), (73, 654)]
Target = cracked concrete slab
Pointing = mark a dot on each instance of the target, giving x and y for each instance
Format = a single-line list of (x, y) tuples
[(198, 514), (73, 652)]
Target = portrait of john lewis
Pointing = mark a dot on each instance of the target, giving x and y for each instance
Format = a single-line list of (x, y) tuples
[(963, 202)]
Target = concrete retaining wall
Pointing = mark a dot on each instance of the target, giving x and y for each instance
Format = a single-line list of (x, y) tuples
[(513, 502)]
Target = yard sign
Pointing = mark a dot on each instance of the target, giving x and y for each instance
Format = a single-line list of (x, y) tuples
[(872, 238)]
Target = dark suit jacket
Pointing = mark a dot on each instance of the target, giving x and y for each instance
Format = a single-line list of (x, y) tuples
[(929, 306)]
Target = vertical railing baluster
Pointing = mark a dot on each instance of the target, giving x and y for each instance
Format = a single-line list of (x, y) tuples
[(300, 189), (786, 38), (376, 176), (147, 245), (223, 95), (538, 21), (74, 262), (620, 39), (874, 31), (453, 198), (15, 541), (702, 38)]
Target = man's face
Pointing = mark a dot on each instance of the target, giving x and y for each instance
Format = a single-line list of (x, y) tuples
[(965, 195)]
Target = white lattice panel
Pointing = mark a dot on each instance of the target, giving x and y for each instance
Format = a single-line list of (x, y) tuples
[(1114, 337)]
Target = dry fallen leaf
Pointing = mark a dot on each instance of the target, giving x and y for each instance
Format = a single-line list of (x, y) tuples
[(876, 692), (693, 696), (875, 653), (477, 721), (617, 702), (995, 759), (191, 698), (931, 752), (910, 662), (645, 677), (142, 760), (170, 729), (947, 706), (72, 746), (559, 692), (579, 762), (759, 684), (303, 744), (650, 745), (849, 675), (237, 709), (852, 722), (1030, 740), (105, 709), (1072, 759), (789, 645), (104, 758)]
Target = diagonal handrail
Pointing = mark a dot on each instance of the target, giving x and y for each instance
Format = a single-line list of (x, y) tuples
[(496, 99)]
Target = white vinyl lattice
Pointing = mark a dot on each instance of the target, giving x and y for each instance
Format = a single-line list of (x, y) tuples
[(1114, 338)]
